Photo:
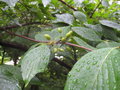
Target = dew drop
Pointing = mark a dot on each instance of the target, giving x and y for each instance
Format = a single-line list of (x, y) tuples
[(85, 84), (88, 67), (114, 88), (107, 81), (78, 70), (116, 61), (88, 62), (94, 63)]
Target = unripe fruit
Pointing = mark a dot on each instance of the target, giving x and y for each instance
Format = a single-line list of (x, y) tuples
[(55, 50), (59, 30), (63, 39), (68, 48), (69, 34), (70, 40), (61, 50), (47, 36)]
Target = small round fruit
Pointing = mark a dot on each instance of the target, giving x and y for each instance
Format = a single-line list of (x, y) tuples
[(63, 39), (59, 30), (69, 34), (61, 50), (55, 50), (47, 36)]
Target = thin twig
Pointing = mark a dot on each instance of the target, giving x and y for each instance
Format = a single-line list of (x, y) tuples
[(74, 53), (67, 5), (27, 37), (25, 48), (3, 56), (62, 63), (70, 44), (25, 24), (91, 15)]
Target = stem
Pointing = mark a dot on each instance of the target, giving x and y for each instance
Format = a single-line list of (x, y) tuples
[(25, 24), (24, 48), (3, 56), (95, 9), (27, 38), (62, 63), (67, 5), (66, 43), (70, 44), (74, 53)]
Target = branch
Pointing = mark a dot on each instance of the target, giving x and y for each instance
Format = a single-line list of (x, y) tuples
[(62, 63), (25, 48), (16, 26), (95, 9), (67, 5), (70, 44), (13, 45)]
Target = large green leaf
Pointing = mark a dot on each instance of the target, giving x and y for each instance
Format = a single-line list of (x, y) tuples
[(82, 43), (10, 3), (109, 33), (46, 2), (107, 43), (97, 28), (86, 33), (10, 77), (35, 61), (97, 70), (80, 16), (65, 18), (110, 24)]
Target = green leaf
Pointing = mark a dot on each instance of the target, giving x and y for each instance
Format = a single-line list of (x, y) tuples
[(35, 61), (107, 43), (97, 28), (83, 43), (46, 2), (86, 33), (109, 33), (97, 70), (10, 77), (11, 3), (80, 16), (110, 24), (65, 18)]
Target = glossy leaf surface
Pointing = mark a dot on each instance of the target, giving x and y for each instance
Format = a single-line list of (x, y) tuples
[(35, 61), (97, 70)]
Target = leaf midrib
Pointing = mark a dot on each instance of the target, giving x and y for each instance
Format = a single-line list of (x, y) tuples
[(102, 65)]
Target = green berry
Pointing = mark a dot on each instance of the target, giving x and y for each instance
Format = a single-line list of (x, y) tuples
[(69, 34), (47, 36), (61, 50), (63, 39), (59, 30), (55, 50)]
